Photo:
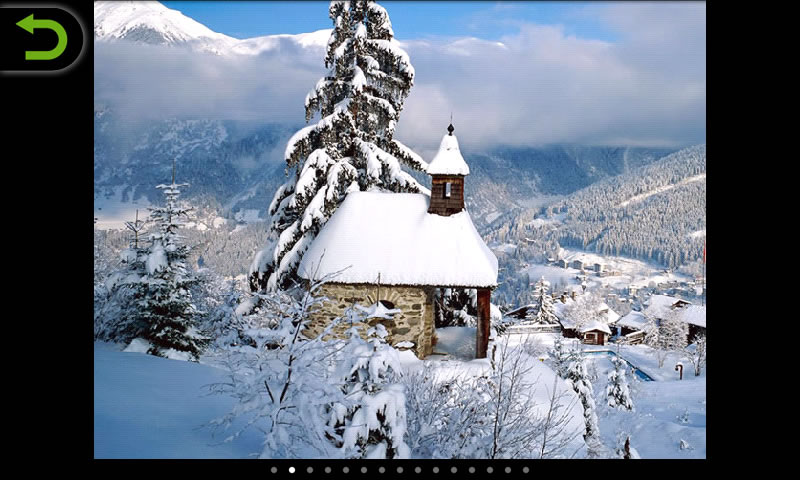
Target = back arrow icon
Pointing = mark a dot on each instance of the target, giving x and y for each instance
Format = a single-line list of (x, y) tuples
[(29, 23)]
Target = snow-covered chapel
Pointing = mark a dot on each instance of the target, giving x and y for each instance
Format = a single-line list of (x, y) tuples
[(393, 250)]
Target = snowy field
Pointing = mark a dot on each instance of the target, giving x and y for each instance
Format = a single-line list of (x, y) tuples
[(150, 407)]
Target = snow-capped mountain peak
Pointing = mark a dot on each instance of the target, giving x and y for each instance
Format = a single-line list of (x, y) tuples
[(155, 24)]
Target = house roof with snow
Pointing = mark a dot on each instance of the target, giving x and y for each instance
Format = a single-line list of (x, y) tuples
[(694, 315), (596, 325), (392, 234), (660, 305), (448, 160), (635, 320), (610, 316)]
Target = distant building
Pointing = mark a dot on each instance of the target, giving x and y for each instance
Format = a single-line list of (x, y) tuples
[(562, 263), (598, 267), (577, 264)]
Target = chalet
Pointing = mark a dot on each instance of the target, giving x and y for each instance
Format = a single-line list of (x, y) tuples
[(562, 263), (595, 332), (521, 312), (607, 315), (577, 264), (695, 316), (631, 323), (396, 249), (659, 306)]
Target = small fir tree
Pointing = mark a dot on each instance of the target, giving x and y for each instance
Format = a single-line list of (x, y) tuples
[(578, 379), (544, 313), (351, 147), (560, 356), (166, 305), (618, 392), (117, 316)]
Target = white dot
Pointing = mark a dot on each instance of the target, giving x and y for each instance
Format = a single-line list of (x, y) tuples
[(291, 469)]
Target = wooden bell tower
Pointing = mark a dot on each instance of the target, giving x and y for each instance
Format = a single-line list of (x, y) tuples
[(447, 171)]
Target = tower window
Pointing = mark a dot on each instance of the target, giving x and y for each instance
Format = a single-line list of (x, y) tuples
[(447, 189)]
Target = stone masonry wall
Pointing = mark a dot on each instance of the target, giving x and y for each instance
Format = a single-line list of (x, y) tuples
[(413, 324)]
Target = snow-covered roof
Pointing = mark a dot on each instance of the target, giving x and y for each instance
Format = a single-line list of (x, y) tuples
[(448, 160), (634, 319), (596, 325), (611, 316), (695, 315), (392, 234), (660, 305)]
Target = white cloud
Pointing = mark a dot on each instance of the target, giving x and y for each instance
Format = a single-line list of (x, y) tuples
[(536, 87)]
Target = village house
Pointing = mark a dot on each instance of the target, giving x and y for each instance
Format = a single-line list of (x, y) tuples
[(631, 327), (395, 249), (599, 268), (659, 306), (595, 333)]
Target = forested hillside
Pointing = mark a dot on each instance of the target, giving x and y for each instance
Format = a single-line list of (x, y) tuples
[(656, 212)]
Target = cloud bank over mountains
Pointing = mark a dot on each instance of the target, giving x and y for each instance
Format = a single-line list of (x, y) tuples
[(539, 86)]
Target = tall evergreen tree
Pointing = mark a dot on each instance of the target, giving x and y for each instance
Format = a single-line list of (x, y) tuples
[(351, 147), (166, 305)]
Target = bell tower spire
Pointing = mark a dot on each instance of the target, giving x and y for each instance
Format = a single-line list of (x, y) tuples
[(447, 170)]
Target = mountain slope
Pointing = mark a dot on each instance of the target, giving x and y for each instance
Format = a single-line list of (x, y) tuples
[(153, 23), (655, 212)]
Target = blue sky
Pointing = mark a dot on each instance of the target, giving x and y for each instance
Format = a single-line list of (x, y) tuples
[(411, 20)]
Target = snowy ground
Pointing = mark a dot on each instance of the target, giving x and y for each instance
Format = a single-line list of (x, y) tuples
[(149, 407)]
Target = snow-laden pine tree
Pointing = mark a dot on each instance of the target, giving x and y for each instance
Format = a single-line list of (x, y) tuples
[(117, 317), (560, 356), (578, 379), (544, 313), (165, 305), (351, 147), (371, 422), (617, 391)]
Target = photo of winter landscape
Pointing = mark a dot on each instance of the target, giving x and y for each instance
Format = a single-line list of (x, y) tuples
[(399, 230)]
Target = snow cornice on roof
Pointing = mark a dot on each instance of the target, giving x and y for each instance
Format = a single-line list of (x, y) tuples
[(392, 235)]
